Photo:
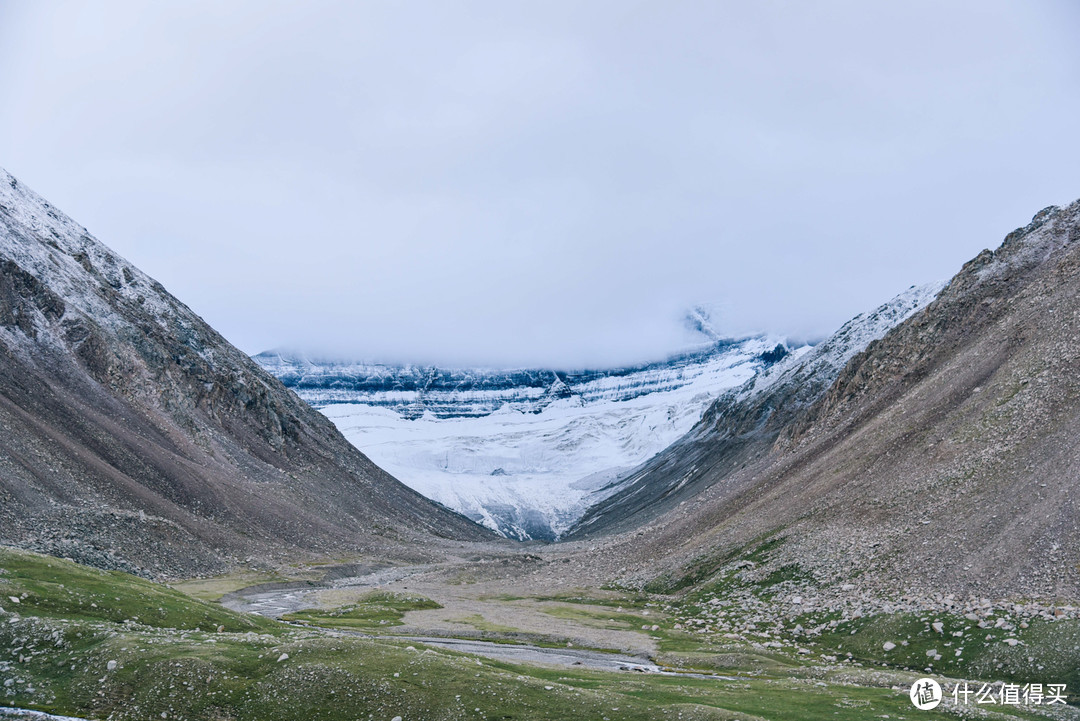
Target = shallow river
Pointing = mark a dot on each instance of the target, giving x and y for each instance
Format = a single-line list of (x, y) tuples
[(285, 598)]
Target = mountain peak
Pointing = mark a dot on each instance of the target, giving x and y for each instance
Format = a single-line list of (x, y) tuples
[(119, 402)]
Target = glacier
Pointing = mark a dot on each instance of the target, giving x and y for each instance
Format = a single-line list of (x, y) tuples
[(524, 452)]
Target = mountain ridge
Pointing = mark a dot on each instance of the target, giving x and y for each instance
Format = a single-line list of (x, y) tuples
[(941, 460), (451, 392), (748, 417), (138, 438)]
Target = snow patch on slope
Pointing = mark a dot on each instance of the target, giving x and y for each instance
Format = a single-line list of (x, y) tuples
[(78, 268), (823, 362), (775, 397)]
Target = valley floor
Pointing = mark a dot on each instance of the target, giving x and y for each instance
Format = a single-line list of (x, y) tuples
[(361, 640)]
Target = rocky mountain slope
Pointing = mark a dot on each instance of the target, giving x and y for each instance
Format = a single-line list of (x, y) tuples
[(134, 436), (942, 460), (743, 422)]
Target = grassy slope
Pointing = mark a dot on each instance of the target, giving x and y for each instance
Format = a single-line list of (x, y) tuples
[(170, 659), (1044, 652)]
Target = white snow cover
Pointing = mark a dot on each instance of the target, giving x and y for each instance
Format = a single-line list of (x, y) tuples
[(828, 358), (1032, 244), (531, 474), (412, 389), (58, 261), (76, 265)]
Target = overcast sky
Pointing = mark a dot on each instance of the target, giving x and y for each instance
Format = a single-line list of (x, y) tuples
[(540, 182)]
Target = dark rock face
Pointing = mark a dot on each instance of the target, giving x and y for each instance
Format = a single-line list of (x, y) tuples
[(22, 297), (134, 436), (940, 459), (775, 355)]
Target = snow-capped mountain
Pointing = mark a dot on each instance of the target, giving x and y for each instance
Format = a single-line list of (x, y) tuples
[(522, 451), (413, 390), (532, 452), (812, 374), (744, 421)]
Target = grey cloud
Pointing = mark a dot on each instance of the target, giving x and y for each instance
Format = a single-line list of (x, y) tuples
[(539, 182)]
